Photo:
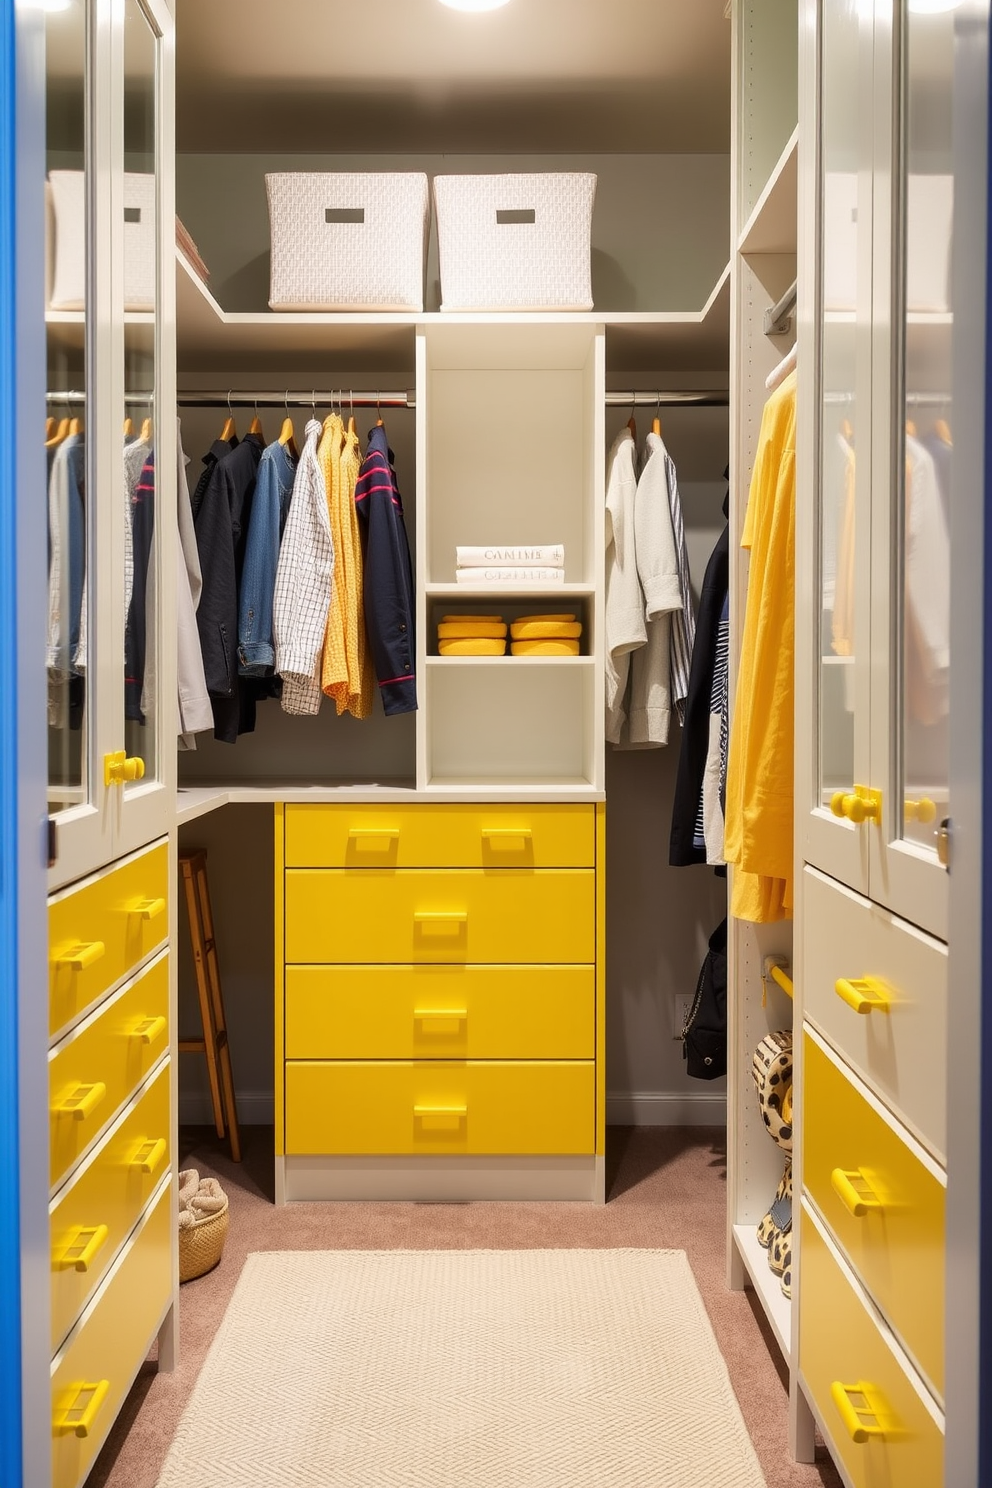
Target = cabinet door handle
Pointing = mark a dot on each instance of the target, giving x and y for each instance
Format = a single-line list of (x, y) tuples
[(864, 995), (82, 1101), (149, 1029), (149, 1155), (440, 1020), (507, 839), (84, 955), (440, 921), (852, 1415), (857, 1200), (82, 1248), (440, 1118), (148, 909), (858, 805), (77, 1419), (373, 839)]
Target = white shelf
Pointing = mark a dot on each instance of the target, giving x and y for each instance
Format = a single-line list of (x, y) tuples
[(773, 225), (503, 661), (775, 1304), (192, 803), (507, 591)]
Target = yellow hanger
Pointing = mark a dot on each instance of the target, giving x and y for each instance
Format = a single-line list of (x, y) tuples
[(146, 430), (255, 427), (128, 428), (60, 433), (656, 421), (378, 413), (910, 429), (287, 435), (75, 426), (50, 426), (229, 431), (942, 429)]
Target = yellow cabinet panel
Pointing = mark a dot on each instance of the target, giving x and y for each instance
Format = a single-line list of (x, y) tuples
[(93, 1373), (406, 1107), (96, 1067), (858, 1381), (510, 915), (443, 836), (94, 1214), (103, 928), (440, 1012), (884, 1206)]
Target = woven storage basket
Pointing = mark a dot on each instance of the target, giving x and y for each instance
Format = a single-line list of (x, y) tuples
[(519, 242), (201, 1244), (347, 240), (68, 225)]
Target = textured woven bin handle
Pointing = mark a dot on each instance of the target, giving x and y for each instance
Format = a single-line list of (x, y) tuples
[(505, 216)]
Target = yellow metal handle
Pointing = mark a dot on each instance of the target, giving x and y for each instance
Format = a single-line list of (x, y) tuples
[(440, 1118), (857, 1200), (77, 1419), (441, 921), (149, 1155), (82, 1102), (512, 839), (864, 995), (440, 1020), (87, 953), (149, 1029), (852, 1414), (148, 909), (82, 1248), (924, 810), (373, 839)]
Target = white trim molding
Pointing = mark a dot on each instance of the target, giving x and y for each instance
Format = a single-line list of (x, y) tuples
[(666, 1108)]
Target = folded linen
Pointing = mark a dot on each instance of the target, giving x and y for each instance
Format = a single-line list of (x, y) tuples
[(551, 555), (468, 627), (472, 619), (545, 627), (469, 646), (544, 648), (520, 575)]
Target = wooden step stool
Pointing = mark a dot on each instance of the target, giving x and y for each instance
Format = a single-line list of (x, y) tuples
[(214, 1041)]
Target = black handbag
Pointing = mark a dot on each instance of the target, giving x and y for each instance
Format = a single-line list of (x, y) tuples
[(704, 1034)]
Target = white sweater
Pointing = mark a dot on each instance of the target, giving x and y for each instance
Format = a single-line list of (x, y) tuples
[(658, 573), (626, 628)]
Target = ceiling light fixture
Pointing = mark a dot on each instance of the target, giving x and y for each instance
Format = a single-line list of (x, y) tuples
[(474, 4)]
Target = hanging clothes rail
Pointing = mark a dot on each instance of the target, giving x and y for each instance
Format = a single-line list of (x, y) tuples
[(778, 318), (318, 398), (667, 399)]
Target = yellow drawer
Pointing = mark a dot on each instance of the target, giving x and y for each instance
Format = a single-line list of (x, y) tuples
[(360, 915), (456, 836), (898, 1044), (102, 928), (440, 1012), (94, 1214), (541, 1107), (843, 1350), (882, 1203), (94, 1070), (93, 1373)]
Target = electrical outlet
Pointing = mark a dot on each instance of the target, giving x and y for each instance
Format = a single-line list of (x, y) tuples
[(683, 1004)]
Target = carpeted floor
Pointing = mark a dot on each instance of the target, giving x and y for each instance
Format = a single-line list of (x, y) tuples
[(666, 1188)]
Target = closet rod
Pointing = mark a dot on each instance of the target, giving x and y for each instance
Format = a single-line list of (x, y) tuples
[(641, 399), (339, 398), (778, 318)]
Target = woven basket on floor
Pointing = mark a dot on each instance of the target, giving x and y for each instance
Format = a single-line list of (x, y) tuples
[(201, 1244)]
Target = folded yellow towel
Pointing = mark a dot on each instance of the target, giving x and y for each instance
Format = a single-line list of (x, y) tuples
[(545, 629), (493, 630), (558, 619), (472, 646), (472, 619), (545, 648)]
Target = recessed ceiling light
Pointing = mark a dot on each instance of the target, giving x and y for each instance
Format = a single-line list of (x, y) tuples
[(474, 4)]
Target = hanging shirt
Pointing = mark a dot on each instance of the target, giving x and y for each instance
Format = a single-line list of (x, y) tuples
[(683, 631), (760, 774), (195, 712), (388, 577), (649, 707), (346, 676), (304, 577), (270, 504), (66, 566), (710, 821), (626, 627), (928, 590), (136, 627)]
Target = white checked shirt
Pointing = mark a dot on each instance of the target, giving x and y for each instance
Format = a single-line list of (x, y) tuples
[(303, 584)]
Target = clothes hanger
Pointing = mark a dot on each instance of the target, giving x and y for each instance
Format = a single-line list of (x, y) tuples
[(378, 412), (146, 431), (632, 423), (58, 434), (229, 431), (286, 434), (910, 429), (942, 429), (75, 425), (781, 372), (656, 421), (255, 427), (128, 428), (351, 412), (847, 430), (51, 425)]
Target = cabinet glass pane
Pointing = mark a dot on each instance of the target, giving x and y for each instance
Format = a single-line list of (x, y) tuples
[(841, 259), (69, 514), (924, 476), (138, 285)]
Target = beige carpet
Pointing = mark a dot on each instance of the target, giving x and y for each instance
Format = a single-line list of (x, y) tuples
[(464, 1369)]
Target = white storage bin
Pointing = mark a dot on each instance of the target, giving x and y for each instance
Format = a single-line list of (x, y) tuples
[(347, 240), (519, 242), (68, 225)]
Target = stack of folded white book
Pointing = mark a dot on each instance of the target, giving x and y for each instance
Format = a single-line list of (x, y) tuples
[(515, 565)]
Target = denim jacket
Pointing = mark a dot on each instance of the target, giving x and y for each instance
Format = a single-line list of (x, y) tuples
[(273, 492)]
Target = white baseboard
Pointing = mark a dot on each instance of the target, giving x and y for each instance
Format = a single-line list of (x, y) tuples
[(666, 1108), (255, 1108)]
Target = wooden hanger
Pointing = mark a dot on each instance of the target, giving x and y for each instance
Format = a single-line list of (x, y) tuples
[(255, 427), (632, 425), (59, 434), (146, 430), (847, 432), (287, 436), (75, 426), (942, 429), (128, 428), (910, 429), (229, 430), (51, 425)]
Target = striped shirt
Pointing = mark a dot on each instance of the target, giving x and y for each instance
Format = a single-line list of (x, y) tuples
[(683, 621), (302, 592)]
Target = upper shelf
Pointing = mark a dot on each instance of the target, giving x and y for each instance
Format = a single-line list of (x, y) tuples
[(210, 338), (773, 225)]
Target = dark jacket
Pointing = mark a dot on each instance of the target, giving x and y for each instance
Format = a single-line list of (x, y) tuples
[(696, 728), (135, 632), (388, 577)]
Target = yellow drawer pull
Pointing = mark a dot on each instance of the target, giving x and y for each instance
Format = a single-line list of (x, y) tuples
[(374, 839), (852, 1414), (148, 909), (149, 1029), (77, 1419), (87, 953), (82, 1102), (82, 1248), (865, 995), (854, 1191), (120, 768), (149, 1155), (440, 1020), (512, 839), (441, 921), (440, 1118)]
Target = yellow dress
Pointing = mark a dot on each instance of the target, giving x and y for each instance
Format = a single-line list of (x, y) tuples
[(346, 675), (760, 775)]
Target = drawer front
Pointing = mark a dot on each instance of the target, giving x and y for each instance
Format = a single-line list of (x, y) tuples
[(93, 1216), (94, 1372), (94, 1070), (840, 1344), (453, 836), (102, 929), (356, 915), (883, 1205), (899, 1047), (404, 1108), (440, 1012)]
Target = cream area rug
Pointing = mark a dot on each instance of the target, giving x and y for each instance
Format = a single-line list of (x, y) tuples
[(464, 1369)]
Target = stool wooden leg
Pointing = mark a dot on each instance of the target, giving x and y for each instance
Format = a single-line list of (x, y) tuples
[(190, 865), (217, 1006)]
